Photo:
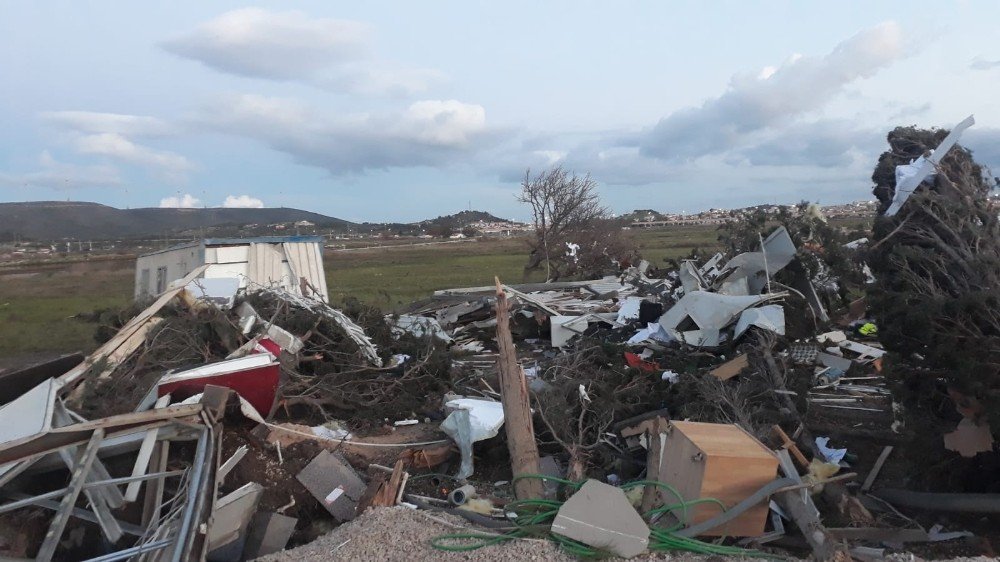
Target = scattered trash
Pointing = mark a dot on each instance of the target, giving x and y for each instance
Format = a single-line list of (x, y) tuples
[(255, 415), (601, 516)]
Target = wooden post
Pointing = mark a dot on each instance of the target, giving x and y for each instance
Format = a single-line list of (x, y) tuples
[(654, 458), (516, 407), (789, 444)]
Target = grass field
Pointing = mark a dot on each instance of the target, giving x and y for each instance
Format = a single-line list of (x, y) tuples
[(37, 303)]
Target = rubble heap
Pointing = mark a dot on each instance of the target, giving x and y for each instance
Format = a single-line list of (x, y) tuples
[(737, 404)]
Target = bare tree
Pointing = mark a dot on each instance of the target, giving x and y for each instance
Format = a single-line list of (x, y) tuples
[(571, 225)]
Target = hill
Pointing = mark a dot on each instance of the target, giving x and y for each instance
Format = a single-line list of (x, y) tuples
[(61, 220), (462, 218), (56, 220)]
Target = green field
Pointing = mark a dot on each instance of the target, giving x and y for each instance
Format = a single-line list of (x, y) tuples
[(37, 303)]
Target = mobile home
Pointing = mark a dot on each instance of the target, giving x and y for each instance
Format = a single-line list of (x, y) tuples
[(293, 263)]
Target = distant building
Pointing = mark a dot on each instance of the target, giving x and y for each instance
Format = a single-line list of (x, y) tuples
[(293, 263), (304, 223)]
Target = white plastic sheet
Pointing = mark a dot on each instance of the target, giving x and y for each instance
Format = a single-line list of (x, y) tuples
[(471, 420)]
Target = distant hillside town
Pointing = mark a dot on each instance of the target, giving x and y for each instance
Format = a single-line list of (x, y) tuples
[(646, 218)]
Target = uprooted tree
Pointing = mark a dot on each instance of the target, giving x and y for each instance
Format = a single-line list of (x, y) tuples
[(937, 267), (574, 233)]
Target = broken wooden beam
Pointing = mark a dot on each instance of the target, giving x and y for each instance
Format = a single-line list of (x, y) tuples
[(80, 470), (789, 444), (876, 468), (516, 406)]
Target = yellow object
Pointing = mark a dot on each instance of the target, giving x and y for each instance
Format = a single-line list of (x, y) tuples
[(819, 471), (478, 505), (868, 329)]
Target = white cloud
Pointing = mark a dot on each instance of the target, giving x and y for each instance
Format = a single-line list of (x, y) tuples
[(980, 63), (186, 201), (330, 53), (768, 99), (441, 123), (62, 175), (427, 133), (92, 122), (108, 134), (766, 127), (242, 202), (116, 146)]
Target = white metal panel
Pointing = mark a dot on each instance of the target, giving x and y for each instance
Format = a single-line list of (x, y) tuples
[(266, 266), (223, 270), (30, 413), (306, 260), (179, 262), (232, 254)]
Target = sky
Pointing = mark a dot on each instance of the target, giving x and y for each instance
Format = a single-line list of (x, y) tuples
[(400, 111)]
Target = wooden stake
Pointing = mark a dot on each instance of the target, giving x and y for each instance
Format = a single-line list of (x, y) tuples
[(791, 446), (516, 407), (873, 473)]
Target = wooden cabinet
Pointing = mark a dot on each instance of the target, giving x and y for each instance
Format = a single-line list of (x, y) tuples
[(708, 460)]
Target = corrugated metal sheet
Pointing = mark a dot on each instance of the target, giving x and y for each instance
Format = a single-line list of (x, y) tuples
[(306, 260), (266, 267)]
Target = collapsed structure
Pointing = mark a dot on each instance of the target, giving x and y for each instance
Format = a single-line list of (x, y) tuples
[(736, 405)]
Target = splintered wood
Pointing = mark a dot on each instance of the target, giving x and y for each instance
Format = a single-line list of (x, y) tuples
[(516, 407)]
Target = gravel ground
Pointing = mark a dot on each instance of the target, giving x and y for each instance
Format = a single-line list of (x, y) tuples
[(400, 534)]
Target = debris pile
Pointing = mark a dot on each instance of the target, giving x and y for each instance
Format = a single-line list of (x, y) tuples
[(736, 405)]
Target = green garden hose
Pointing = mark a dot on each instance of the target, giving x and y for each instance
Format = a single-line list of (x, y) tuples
[(534, 519)]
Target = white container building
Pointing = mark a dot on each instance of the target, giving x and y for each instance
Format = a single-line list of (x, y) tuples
[(293, 263)]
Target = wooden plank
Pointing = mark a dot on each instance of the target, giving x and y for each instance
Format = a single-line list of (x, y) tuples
[(516, 406), (655, 441), (76, 434), (141, 464), (789, 444), (230, 463), (115, 346), (731, 368), (102, 499), (154, 490), (800, 507), (387, 493), (145, 453), (80, 470), (873, 473)]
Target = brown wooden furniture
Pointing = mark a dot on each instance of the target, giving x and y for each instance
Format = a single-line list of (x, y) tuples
[(707, 460)]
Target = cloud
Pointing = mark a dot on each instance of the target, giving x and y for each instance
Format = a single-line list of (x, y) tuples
[(292, 46), (766, 129), (759, 101), (186, 201), (108, 134), (824, 144), (242, 202), (984, 142), (94, 122), (116, 146), (426, 133), (980, 63), (62, 175)]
